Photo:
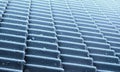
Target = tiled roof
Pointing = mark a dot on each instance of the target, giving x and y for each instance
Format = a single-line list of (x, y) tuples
[(59, 36)]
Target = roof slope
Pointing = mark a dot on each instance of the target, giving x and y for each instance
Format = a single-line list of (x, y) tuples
[(59, 36)]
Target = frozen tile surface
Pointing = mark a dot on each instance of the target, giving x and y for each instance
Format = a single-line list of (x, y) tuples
[(59, 36)]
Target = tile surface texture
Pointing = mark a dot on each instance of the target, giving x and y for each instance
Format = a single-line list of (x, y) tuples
[(59, 36)]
